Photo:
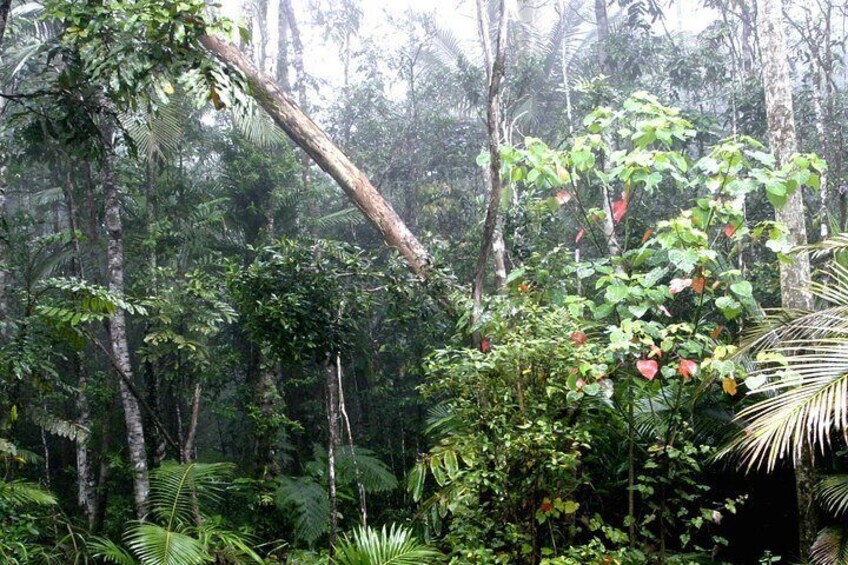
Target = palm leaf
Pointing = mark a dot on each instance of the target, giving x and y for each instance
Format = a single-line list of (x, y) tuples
[(155, 545), (110, 552), (830, 547), (176, 489), (396, 546), (22, 493), (832, 492)]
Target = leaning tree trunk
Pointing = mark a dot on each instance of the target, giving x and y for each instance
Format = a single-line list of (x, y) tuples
[(317, 144), (118, 329), (794, 277), (495, 66), (5, 8)]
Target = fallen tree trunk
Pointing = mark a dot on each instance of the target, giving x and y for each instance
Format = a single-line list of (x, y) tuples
[(318, 145)]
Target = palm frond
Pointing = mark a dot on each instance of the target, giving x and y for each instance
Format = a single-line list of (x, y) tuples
[(832, 492), (109, 551), (24, 493), (830, 547), (396, 546), (155, 545), (177, 489)]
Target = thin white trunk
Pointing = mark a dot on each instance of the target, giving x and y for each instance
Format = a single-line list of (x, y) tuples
[(118, 329)]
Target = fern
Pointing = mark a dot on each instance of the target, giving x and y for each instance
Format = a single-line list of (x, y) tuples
[(310, 503)]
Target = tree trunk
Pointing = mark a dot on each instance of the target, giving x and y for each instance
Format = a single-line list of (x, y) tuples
[(794, 277), (312, 139), (4, 234), (332, 400), (188, 447), (495, 66), (5, 8), (345, 422), (85, 470), (118, 328)]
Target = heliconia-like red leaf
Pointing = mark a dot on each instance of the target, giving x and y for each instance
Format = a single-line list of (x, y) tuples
[(619, 208), (687, 368), (679, 285), (486, 345), (579, 236), (729, 230), (647, 368), (579, 338)]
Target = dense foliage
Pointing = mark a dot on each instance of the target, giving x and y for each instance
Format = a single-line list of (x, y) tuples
[(208, 355)]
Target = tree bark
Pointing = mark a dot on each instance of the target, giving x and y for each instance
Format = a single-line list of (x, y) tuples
[(4, 235), (5, 8), (795, 277), (495, 67), (312, 139), (118, 328), (187, 451)]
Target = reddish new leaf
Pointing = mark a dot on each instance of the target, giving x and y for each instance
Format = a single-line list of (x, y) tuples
[(656, 351), (486, 345), (729, 230), (579, 236), (579, 338), (698, 284), (687, 368), (647, 368), (647, 235), (619, 208)]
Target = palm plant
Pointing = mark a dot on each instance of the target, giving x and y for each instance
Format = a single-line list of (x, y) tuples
[(397, 545), (801, 364), (181, 533)]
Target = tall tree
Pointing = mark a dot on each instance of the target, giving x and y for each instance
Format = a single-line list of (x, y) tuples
[(118, 327), (795, 276), (495, 67)]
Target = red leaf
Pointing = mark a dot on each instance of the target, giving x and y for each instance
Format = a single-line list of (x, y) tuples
[(679, 285), (687, 368), (619, 208), (485, 345), (729, 230), (647, 368), (698, 284), (579, 338), (656, 351), (579, 236), (580, 384), (648, 233)]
